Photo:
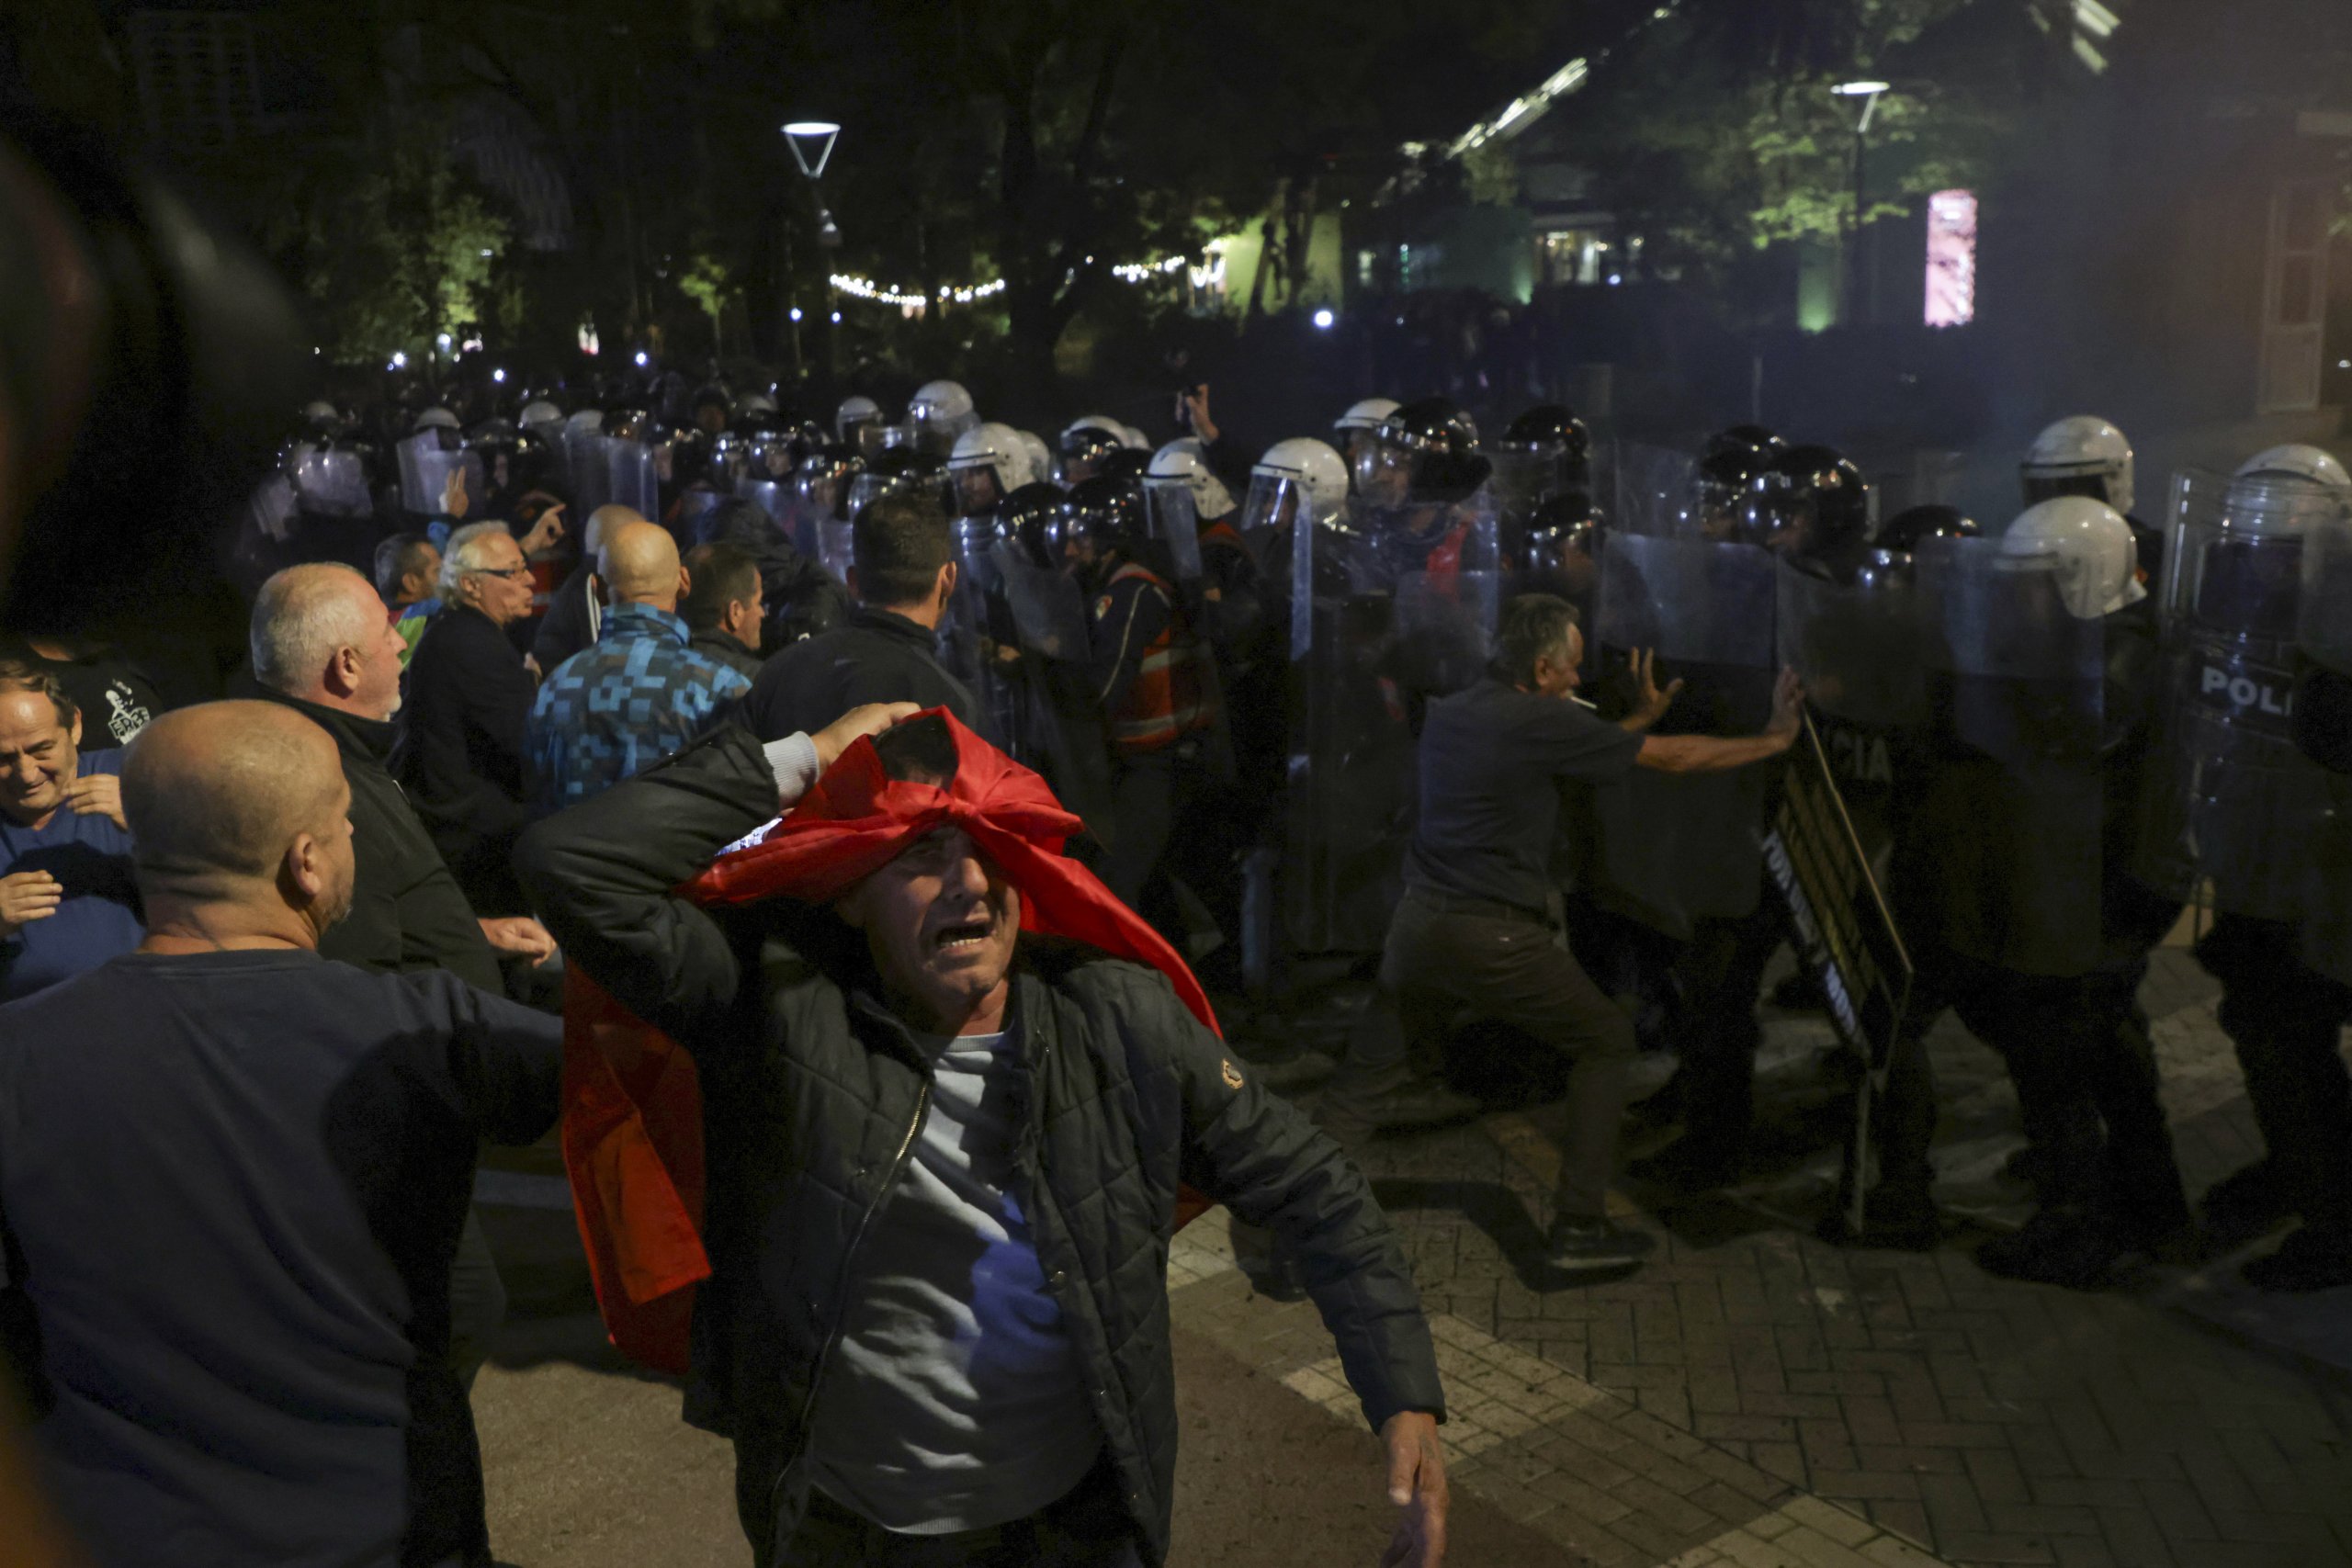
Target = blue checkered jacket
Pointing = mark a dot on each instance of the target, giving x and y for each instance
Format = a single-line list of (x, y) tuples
[(614, 709)]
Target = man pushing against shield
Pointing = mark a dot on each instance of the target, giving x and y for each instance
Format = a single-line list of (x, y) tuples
[(951, 1089)]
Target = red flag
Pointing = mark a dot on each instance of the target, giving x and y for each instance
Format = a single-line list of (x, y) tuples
[(632, 1118)]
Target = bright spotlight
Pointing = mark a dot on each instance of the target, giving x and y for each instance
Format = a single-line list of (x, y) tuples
[(640, 356), (1323, 318), (498, 375)]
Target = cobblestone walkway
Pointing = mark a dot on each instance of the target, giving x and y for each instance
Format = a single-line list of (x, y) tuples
[(1756, 1396)]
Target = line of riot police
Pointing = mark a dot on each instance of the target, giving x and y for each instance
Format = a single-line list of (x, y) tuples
[(2049, 741)]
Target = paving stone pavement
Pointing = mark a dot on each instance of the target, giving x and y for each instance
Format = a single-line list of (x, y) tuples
[(1756, 1396)]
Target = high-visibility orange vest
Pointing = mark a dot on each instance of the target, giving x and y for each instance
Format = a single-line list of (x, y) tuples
[(1169, 700)]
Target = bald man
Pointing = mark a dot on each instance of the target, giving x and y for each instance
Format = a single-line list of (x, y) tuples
[(642, 693), (233, 1176), (576, 609)]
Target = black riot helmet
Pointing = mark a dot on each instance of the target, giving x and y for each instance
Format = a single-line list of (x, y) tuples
[(1426, 453), (1907, 529), (513, 458), (901, 471), (1562, 552), (1808, 501), (1128, 466), (824, 477), (1025, 520), (1758, 444), (1103, 516), (1086, 446), (1554, 428)]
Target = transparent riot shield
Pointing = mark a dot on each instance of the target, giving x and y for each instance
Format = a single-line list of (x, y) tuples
[(1653, 487), (1521, 481), (1349, 802), (977, 621), (333, 484), (270, 512), (2324, 633), (2009, 825), (1173, 520), (772, 496), (437, 483), (614, 472), (2231, 803), (833, 548), (1371, 646), (1673, 849), (1048, 615), (1857, 646), (1058, 729)]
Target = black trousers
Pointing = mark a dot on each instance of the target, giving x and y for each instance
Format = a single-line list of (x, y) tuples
[(1446, 956), (1174, 819), (1087, 1527), (2286, 1021)]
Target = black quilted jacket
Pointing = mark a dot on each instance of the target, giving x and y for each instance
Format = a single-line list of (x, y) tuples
[(813, 1094)]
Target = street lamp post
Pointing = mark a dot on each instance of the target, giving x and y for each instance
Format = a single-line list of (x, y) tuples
[(1856, 278), (812, 142)]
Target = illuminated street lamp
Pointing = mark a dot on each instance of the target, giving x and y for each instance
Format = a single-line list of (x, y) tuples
[(812, 142), (1857, 285)]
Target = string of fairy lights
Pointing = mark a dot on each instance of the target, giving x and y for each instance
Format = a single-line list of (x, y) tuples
[(866, 288)]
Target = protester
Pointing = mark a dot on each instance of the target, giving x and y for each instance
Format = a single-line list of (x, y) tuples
[(855, 984), (1473, 930), (408, 572), (609, 711), (67, 900), (576, 609), (233, 1177), (463, 754), (319, 647), (115, 698), (904, 577), (801, 598), (723, 606)]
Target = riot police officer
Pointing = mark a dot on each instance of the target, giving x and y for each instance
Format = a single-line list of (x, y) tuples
[(939, 412), (1354, 432), (2239, 803), (988, 464), (1145, 676)]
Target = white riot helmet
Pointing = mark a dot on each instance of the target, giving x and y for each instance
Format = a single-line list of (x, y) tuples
[(2079, 456), (1301, 478), (857, 424), (1041, 457), (587, 422), (1134, 440), (540, 413), (435, 419), (1358, 430), (1182, 462), (988, 464), (940, 413), (2312, 463), (755, 402), (2097, 561), (1086, 442)]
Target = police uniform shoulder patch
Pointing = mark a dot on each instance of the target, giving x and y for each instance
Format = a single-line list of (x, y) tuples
[(1232, 1075)]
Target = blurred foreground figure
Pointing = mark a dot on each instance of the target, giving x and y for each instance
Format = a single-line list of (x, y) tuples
[(234, 1175), (66, 900), (954, 1091)]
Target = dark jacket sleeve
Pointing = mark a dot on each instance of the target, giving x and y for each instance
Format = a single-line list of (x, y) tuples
[(505, 1060), (602, 876), (563, 630), (1137, 614), (452, 691), (1259, 1155)]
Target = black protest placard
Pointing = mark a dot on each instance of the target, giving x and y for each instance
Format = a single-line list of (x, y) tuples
[(1845, 933)]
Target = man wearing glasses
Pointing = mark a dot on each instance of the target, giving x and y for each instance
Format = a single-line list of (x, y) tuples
[(465, 730)]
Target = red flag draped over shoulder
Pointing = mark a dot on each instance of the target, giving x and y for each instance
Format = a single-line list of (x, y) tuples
[(632, 1116)]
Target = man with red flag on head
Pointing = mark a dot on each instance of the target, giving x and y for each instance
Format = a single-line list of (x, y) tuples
[(952, 1094)]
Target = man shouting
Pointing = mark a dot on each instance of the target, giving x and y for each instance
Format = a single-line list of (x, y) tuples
[(951, 1091)]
